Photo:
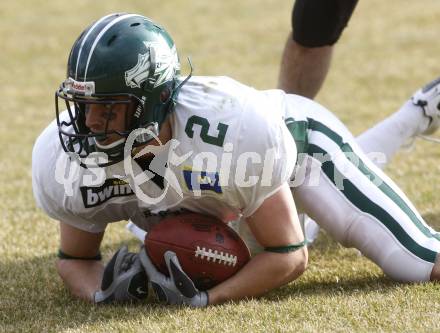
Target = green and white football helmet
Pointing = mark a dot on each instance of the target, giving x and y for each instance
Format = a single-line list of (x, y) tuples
[(120, 59)]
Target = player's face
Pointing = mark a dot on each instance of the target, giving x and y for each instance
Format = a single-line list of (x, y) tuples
[(107, 119)]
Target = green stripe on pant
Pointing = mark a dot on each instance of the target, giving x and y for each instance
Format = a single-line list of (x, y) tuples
[(363, 203), (383, 186)]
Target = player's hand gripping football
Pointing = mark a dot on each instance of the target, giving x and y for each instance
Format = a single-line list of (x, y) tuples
[(178, 288), (124, 279)]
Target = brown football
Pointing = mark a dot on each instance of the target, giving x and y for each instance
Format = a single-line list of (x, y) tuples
[(208, 250)]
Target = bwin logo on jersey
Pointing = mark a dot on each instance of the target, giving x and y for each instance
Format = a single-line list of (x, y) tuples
[(113, 187), (159, 60)]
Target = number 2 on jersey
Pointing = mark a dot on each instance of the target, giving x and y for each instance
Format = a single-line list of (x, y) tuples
[(204, 124)]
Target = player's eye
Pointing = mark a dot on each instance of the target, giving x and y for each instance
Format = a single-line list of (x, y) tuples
[(105, 111), (109, 113)]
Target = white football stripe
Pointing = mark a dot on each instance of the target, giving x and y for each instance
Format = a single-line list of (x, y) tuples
[(101, 33), (84, 40)]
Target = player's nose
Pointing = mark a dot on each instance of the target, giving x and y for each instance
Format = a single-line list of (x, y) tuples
[(95, 119)]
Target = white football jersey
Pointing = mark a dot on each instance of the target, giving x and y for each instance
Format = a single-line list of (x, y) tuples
[(230, 147), (230, 150)]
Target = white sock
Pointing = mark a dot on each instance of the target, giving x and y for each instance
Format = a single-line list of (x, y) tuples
[(392, 133)]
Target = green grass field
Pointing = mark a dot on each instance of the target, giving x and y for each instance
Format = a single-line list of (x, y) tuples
[(389, 50)]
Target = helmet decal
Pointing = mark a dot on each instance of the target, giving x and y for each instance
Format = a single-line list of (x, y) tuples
[(135, 76), (166, 64), (159, 59)]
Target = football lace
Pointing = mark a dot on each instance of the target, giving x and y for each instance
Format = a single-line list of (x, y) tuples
[(216, 256)]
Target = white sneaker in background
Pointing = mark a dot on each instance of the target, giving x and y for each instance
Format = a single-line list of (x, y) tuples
[(428, 98)]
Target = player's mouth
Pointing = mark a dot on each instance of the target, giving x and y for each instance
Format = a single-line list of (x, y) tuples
[(106, 139)]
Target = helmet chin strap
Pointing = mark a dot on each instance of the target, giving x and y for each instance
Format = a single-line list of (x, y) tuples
[(112, 148), (146, 137), (177, 89), (109, 146)]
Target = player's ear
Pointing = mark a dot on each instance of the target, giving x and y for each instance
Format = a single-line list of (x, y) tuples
[(165, 95)]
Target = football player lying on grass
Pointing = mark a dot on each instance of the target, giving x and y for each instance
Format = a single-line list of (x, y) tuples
[(214, 146)]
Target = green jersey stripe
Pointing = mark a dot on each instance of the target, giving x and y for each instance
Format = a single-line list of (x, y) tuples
[(298, 130)]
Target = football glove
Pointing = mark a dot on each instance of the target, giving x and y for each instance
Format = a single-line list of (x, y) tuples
[(178, 289), (124, 279)]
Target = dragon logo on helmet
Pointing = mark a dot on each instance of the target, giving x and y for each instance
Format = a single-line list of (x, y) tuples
[(158, 62)]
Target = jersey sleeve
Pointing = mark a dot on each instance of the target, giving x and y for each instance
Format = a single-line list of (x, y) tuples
[(49, 195), (267, 151), (63, 214)]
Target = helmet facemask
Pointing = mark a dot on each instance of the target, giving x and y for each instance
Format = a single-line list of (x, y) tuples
[(115, 117)]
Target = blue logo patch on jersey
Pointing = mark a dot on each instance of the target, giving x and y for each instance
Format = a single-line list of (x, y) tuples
[(202, 181)]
